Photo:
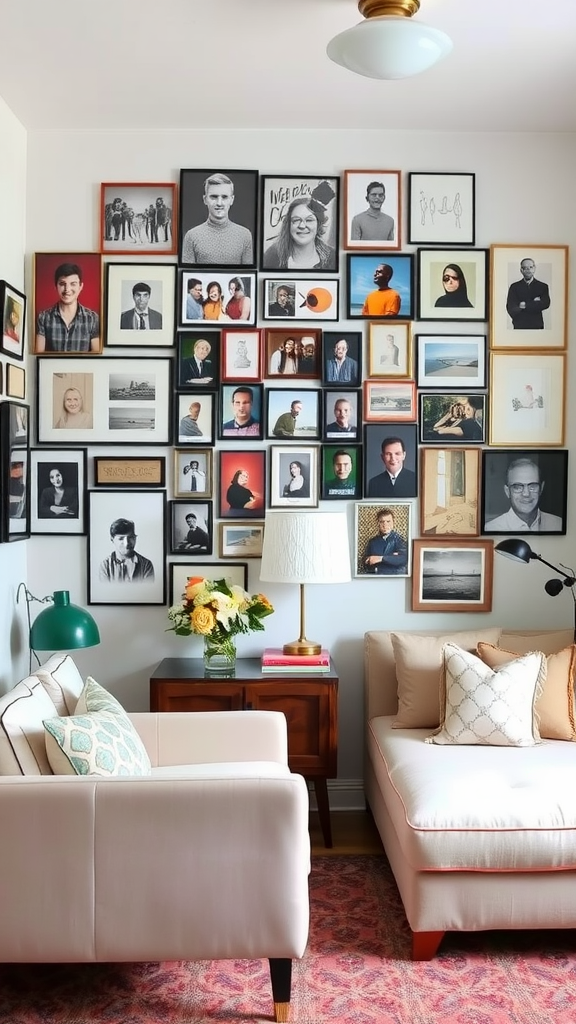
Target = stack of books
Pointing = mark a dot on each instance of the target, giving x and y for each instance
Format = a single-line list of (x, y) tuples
[(274, 660)]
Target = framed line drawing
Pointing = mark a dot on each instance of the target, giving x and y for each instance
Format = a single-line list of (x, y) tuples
[(126, 547), (382, 539), (58, 491), (213, 297), (197, 360), (524, 490), (129, 471), (236, 573), (190, 527), (527, 399), (241, 540), (529, 296), (218, 214), (293, 414), (341, 472), (140, 309), (390, 349), (292, 353), (299, 222), (242, 482), (441, 208), (241, 354), (301, 299), (387, 401), (380, 287), (342, 358), (450, 491), (452, 576), (195, 418), (13, 307), (138, 218), (452, 418), (451, 361), (193, 473), (452, 284), (294, 476), (104, 401), (372, 210), (15, 381), (67, 285)]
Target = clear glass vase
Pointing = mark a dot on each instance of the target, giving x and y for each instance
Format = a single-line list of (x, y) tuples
[(219, 655)]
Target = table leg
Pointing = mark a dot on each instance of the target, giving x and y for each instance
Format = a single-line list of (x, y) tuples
[(321, 791)]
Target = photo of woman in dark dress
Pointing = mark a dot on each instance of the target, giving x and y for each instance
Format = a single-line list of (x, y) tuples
[(455, 288)]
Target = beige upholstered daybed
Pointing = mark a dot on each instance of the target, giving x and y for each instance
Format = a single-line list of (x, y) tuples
[(478, 837)]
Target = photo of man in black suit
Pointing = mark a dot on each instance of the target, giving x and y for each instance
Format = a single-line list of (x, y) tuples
[(141, 318), (395, 481), (527, 299)]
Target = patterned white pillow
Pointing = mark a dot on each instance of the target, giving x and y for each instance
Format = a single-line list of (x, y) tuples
[(483, 706), (98, 740)]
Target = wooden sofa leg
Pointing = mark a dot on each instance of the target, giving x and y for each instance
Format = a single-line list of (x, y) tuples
[(281, 978), (425, 944)]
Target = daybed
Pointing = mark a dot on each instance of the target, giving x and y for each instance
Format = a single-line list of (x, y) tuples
[(478, 837), (205, 855)]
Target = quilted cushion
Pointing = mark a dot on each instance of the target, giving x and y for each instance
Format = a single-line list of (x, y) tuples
[(98, 740), (493, 708)]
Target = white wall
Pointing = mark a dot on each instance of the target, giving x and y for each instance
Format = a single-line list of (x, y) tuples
[(524, 195), (13, 655)]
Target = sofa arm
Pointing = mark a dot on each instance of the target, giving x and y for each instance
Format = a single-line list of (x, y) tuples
[(206, 737)]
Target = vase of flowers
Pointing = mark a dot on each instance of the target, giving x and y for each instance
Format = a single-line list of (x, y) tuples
[(218, 611)]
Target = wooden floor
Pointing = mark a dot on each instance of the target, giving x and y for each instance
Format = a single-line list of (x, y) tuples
[(352, 832)]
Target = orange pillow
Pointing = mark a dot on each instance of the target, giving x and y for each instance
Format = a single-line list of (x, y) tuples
[(555, 706)]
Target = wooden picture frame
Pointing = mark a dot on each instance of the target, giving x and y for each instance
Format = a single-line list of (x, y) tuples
[(386, 401), (190, 528), (195, 418), (104, 401), (75, 280), (241, 540), (527, 399), (241, 412), (138, 218), (452, 576), (341, 472), (452, 418), (193, 473), (300, 298), (129, 470), (13, 310), (372, 210), (14, 472), (15, 381), (138, 519), (342, 415), (342, 358), (303, 353), (299, 222), (197, 360), (451, 361), (180, 572), (242, 484), (441, 208), (289, 466), (382, 539), (140, 294), (390, 349), (58, 488), (543, 323), (293, 414), (398, 440), (367, 300), (450, 491), (452, 284), (209, 199), (204, 297), (524, 491), (241, 354)]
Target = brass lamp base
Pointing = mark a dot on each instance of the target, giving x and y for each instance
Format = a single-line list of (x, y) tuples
[(302, 646)]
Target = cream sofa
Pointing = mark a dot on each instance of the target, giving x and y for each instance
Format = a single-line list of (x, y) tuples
[(478, 837), (207, 857)]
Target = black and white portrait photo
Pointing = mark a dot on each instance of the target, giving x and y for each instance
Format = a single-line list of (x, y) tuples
[(193, 473), (372, 209), (126, 547), (524, 491), (294, 476), (300, 223), (140, 304), (191, 527), (58, 490), (218, 211)]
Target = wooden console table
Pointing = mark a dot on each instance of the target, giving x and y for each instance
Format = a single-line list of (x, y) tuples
[(309, 701)]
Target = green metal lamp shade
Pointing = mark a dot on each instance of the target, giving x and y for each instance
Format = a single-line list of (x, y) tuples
[(63, 626)]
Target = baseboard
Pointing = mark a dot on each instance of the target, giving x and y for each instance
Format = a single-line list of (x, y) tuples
[(343, 795)]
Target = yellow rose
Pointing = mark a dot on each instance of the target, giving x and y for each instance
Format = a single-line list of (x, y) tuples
[(203, 620)]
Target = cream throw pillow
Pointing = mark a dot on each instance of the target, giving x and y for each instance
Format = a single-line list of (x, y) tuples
[(555, 706), (493, 708), (418, 669)]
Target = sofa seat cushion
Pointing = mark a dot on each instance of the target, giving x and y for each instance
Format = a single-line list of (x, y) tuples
[(223, 770), (477, 808), (22, 713)]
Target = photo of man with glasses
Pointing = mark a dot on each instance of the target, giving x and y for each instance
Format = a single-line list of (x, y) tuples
[(525, 491)]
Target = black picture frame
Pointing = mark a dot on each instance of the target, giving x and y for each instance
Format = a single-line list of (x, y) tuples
[(180, 540), (443, 418), (334, 418), (13, 310), (281, 425), (241, 400), (341, 484), (14, 472), (146, 510), (227, 284), (441, 208), (62, 509), (243, 470), (504, 512), (197, 366), (376, 480), (281, 193), (195, 418), (193, 214), (332, 373), (364, 301)]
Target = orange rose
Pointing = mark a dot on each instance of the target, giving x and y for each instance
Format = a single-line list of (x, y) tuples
[(203, 620), (193, 585)]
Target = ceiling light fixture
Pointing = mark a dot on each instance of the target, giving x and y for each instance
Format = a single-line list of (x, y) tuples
[(389, 44)]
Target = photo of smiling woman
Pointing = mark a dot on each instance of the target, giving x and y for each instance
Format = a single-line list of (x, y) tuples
[(300, 223)]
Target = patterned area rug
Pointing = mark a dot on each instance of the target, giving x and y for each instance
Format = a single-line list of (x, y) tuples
[(356, 971)]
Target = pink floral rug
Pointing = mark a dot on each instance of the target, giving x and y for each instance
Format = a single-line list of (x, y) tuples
[(356, 971)]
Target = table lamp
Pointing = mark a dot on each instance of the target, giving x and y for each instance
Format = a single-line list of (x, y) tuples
[(305, 547), (520, 551), (61, 627)]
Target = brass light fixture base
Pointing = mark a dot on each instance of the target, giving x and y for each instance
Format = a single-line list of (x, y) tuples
[(302, 646), (389, 8)]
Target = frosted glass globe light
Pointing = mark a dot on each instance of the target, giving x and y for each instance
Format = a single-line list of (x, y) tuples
[(387, 47)]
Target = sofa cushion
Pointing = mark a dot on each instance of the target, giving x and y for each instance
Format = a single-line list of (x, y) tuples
[(555, 706), (22, 713), (493, 708), (418, 669), (99, 740), (62, 682)]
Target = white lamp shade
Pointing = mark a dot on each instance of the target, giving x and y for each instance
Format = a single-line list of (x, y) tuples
[(305, 547), (388, 47)]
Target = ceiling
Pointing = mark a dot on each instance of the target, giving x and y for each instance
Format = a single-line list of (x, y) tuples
[(259, 64)]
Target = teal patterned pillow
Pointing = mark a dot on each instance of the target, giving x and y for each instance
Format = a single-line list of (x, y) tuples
[(98, 740)]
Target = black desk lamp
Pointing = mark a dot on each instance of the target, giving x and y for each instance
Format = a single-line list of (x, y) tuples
[(520, 551)]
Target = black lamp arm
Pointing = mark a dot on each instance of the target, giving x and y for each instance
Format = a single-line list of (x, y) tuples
[(562, 570), (29, 597)]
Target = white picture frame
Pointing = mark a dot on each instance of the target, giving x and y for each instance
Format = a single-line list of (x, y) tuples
[(121, 280)]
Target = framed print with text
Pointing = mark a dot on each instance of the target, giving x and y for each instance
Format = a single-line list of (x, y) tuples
[(527, 398), (441, 208), (452, 576), (301, 299), (450, 491), (390, 349), (382, 537), (241, 540), (241, 354), (129, 471), (451, 361), (294, 476), (524, 490), (299, 222), (529, 296), (138, 219), (126, 547), (58, 491), (452, 284), (372, 210), (235, 573), (380, 287), (13, 312), (73, 280), (140, 301), (218, 214)]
